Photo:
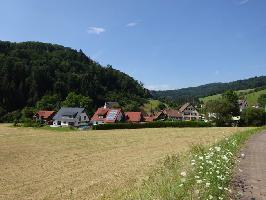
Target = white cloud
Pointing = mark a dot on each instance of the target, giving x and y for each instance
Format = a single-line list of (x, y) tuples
[(132, 24), (95, 30), (159, 87), (242, 2)]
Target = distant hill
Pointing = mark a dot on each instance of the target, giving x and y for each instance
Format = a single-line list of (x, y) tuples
[(251, 95), (30, 70), (194, 93)]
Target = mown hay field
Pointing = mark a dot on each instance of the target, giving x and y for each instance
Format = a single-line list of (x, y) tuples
[(42, 165)]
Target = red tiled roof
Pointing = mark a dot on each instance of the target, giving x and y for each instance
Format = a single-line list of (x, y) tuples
[(101, 112), (133, 116), (45, 114)]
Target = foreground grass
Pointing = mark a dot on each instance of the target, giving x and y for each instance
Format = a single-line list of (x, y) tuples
[(204, 173), (43, 164)]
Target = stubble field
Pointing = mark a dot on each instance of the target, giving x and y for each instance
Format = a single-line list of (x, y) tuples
[(41, 164)]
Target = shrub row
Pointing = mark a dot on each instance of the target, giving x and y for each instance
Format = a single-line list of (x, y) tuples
[(157, 124)]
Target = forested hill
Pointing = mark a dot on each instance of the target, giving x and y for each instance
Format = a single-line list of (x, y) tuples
[(194, 93), (30, 70)]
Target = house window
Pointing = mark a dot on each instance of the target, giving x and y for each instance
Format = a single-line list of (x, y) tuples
[(84, 117)]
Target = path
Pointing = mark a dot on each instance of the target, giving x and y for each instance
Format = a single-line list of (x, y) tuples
[(250, 179)]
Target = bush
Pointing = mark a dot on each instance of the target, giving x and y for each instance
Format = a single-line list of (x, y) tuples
[(158, 124), (11, 116), (31, 123)]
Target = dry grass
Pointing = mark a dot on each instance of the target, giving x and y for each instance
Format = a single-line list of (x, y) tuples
[(40, 164)]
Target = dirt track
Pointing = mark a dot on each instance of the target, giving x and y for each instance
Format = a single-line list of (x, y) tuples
[(250, 179)]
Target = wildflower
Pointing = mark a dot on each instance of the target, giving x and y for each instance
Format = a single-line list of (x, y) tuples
[(210, 197), (183, 174), (200, 157), (208, 184), (220, 188), (181, 185), (199, 181), (217, 148), (183, 180)]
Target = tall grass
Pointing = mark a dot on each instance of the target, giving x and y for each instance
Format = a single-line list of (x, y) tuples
[(204, 173)]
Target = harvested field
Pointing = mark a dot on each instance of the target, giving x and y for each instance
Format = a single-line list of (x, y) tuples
[(40, 164)]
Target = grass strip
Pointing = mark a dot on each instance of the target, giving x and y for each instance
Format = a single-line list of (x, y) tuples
[(204, 173)]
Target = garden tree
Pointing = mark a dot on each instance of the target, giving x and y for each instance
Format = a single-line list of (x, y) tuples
[(27, 113), (78, 100), (220, 110), (48, 102), (253, 117), (262, 100), (232, 99)]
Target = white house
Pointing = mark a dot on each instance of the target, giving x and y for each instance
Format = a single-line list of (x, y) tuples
[(70, 117)]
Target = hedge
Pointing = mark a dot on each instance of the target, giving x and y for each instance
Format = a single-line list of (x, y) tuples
[(157, 124)]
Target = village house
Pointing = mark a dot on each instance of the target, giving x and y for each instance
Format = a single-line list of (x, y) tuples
[(44, 116), (243, 104), (133, 117), (173, 114), (70, 117), (189, 112), (158, 116), (107, 115)]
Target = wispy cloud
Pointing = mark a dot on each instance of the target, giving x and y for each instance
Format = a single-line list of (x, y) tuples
[(242, 2), (159, 87), (95, 30), (132, 24)]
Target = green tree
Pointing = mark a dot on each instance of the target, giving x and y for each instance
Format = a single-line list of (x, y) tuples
[(262, 100), (27, 113), (232, 99), (78, 100), (48, 102), (253, 117), (219, 111)]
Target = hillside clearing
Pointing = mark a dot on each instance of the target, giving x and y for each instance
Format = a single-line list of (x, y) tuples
[(41, 164), (250, 95)]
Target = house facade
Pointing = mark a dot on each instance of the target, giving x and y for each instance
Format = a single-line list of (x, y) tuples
[(189, 112), (70, 117)]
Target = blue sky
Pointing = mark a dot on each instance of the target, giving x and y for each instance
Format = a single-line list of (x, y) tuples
[(165, 44)]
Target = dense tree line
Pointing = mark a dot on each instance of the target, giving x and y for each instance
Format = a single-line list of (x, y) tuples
[(192, 94), (30, 71)]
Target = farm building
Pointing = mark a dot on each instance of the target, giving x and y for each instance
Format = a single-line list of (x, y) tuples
[(173, 114), (44, 116), (70, 117)]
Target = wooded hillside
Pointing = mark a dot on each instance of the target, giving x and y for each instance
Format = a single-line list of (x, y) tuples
[(194, 93), (30, 70)]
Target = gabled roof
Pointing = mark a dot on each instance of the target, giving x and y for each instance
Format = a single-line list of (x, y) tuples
[(133, 116), (100, 112), (45, 114), (108, 115), (184, 107), (173, 113), (68, 112)]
